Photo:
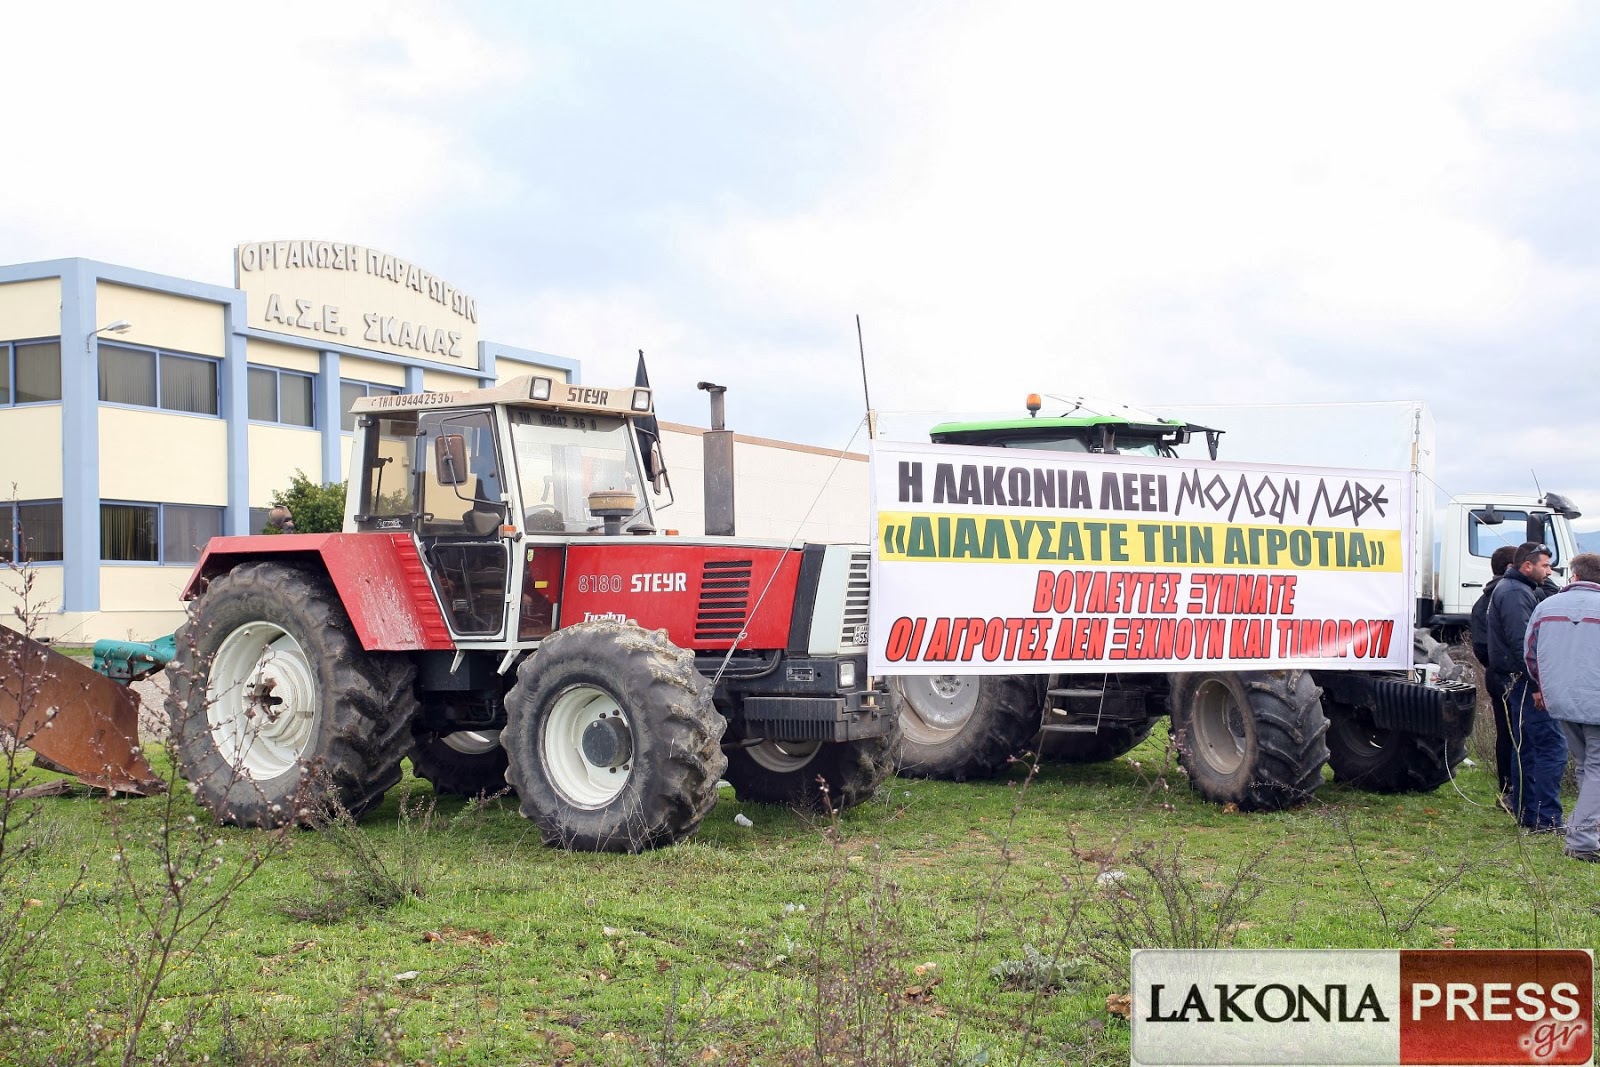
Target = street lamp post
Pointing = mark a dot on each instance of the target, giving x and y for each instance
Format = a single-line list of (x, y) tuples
[(120, 326)]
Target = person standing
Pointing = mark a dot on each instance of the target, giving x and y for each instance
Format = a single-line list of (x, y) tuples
[(1538, 745), (1503, 752), (1563, 654)]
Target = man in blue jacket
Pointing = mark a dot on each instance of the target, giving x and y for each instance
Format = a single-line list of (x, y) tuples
[(1563, 656), (1540, 747)]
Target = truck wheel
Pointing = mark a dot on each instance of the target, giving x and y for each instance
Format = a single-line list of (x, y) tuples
[(787, 772), (277, 714), (1387, 761), (612, 740), (961, 726), (1254, 739), (467, 763), (1098, 747)]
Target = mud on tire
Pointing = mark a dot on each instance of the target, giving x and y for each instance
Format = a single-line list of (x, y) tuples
[(612, 739), (788, 772), (1387, 761), (958, 727), (276, 712), (1254, 738)]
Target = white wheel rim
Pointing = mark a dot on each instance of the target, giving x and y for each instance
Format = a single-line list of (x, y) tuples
[(261, 700), (937, 707), (1220, 734), (582, 783), (473, 742), (782, 757)]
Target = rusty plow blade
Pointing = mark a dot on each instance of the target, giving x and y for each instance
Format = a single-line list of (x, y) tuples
[(78, 721)]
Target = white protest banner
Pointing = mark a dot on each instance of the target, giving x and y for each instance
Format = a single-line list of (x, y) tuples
[(1013, 561)]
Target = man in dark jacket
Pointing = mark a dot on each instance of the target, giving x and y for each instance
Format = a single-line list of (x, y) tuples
[(1503, 752), (1538, 745)]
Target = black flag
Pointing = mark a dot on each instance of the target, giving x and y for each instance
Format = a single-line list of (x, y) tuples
[(645, 426)]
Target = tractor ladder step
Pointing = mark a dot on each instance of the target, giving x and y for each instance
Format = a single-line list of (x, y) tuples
[(1069, 728), (1075, 693)]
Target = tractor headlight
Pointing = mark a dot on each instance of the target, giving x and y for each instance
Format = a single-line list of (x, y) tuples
[(847, 674), (541, 389), (641, 400)]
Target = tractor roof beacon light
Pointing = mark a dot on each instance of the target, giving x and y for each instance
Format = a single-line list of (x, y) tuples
[(1034, 404), (120, 326)]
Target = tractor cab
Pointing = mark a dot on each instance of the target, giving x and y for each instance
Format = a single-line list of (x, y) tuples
[(494, 482), (1084, 426)]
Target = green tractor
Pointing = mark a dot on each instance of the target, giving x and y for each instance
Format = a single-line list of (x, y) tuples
[(1256, 739)]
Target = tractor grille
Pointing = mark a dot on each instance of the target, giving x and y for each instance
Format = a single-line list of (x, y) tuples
[(853, 625), (724, 600)]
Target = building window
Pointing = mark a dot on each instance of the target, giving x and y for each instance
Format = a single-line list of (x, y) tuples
[(30, 372), (281, 396), (148, 378), (258, 520), (350, 392), (156, 533), (31, 532)]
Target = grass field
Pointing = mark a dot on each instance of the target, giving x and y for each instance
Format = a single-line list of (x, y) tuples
[(881, 938)]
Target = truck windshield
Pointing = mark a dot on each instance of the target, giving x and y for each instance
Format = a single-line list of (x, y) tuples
[(562, 458)]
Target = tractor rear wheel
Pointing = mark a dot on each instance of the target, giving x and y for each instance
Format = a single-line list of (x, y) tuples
[(1255, 739), (466, 763), (612, 741), (961, 726), (788, 772), (1387, 761), (277, 713)]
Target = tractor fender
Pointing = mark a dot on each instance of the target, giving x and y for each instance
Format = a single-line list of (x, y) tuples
[(380, 579)]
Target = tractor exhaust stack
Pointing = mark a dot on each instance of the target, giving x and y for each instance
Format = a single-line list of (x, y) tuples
[(718, 444)]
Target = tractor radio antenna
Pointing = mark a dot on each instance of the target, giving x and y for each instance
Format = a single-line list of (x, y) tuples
[(866, 394)]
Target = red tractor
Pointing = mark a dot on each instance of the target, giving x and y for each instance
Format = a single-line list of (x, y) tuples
[(502, 609)]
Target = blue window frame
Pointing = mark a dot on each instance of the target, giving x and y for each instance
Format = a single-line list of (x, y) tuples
[(30, 371), (156, 533), (282, 396), (350, 392), (153, 378), (31, 532)]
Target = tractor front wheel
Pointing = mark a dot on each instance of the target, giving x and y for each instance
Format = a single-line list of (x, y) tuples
[(812, 775), (612, 741), (961, 726), (466, 763), (1387, 761), (1255, 739), (277, 713)]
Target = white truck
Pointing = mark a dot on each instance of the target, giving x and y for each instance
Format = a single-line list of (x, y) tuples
[(1255, 739)]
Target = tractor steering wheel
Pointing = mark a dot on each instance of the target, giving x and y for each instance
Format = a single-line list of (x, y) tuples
[(544, 518)]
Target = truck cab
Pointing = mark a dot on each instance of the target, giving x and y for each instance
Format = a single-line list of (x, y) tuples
[(1475, 524)]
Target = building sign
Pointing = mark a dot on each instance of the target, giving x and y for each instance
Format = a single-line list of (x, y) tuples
[(1005, 561), (356, 296)]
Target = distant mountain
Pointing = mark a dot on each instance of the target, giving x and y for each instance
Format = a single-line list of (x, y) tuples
[(1588, 540)]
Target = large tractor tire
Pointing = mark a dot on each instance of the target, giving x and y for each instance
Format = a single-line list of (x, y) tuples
[(793, 773), (277, 713), (1387, 761), (467, 763), (1253, 739), (1098, 747), (612, 739), (961, 726)]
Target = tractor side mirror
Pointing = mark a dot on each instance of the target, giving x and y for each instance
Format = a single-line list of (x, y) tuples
[(1535, 528), (659, 466), (1488, 516), (450, 459)]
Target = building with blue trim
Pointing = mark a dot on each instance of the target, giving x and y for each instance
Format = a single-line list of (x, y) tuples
[(141, 414)]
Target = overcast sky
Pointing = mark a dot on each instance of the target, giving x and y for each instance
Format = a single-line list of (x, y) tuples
[(1156, 203)]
